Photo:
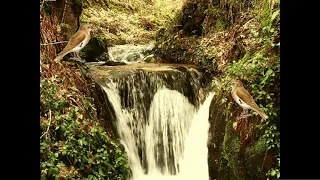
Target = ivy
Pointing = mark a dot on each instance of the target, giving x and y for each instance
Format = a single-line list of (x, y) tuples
[(260, 73), (75, 147)]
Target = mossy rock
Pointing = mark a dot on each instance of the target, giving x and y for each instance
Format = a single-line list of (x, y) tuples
[(94, 49), (150, 59), (225, 159)]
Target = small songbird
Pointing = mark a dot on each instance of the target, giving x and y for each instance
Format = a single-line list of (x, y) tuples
[(78, 41), (244, 99)]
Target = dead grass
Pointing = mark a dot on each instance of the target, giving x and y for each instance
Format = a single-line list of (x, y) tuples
[(130, 21), (224, 44)]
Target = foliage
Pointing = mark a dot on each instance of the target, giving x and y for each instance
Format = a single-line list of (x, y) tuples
[(73, 145), (260, 71)]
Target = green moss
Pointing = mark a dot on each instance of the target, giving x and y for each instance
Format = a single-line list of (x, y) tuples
[(220, 25), (95, 47), (259, 147), (230, 149)]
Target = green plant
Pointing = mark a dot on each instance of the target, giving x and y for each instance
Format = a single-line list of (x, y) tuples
[(72, 144), (260, 71), (220, 26)]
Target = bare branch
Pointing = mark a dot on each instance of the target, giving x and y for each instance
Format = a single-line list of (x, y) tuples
[(54, 43)]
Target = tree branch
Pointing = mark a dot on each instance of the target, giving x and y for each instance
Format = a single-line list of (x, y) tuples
[(54, 43)]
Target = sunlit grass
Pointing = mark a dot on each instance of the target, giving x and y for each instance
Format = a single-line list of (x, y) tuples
[(134, 21)]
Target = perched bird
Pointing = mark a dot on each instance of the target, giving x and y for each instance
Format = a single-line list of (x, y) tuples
[(244, 99), (78, 41)]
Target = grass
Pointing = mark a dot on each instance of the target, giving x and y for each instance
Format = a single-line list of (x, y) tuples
[(134, 21)]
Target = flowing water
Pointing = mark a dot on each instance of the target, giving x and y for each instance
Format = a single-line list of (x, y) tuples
[(130, 53), (162, 127), (173, 141)]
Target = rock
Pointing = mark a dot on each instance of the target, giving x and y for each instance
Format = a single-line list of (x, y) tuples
[(94, 49), (229, 155), (113, 63), (149, 59), (187, 81)]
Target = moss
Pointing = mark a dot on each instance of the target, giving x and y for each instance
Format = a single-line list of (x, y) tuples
[(95, 47), (230, 151), (259, 147), (220, 26)]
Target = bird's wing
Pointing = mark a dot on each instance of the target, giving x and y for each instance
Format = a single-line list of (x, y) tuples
[(245, 96), (74, 41)]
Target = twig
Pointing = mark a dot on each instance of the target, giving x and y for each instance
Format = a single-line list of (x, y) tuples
[(48, 125), (54, 43)]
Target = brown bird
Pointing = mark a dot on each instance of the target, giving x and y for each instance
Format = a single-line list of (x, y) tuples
[(244, 99), (78, 41)]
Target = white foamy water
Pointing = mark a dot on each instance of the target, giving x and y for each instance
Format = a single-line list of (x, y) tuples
[(129, 53), (173, 140)]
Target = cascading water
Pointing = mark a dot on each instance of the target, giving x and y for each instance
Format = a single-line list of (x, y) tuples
[(129, 53), (157, 114), (171, 142)]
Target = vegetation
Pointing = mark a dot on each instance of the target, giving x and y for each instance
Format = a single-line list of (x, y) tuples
[(129, 21), (74, 143), (260, 70), (228, 39)]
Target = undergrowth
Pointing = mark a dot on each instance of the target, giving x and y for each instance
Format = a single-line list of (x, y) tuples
[(74, 143), (260, 73)]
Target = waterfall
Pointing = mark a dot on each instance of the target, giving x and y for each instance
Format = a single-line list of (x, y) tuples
[(156, 112), (166, 139)]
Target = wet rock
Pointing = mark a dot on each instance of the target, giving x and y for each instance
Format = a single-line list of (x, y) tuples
[(94, 49), (149, 59), (230, 154), (113, 63)]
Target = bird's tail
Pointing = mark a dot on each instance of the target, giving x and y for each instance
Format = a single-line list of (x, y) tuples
[(262, 114), (59, 57)]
